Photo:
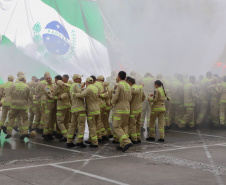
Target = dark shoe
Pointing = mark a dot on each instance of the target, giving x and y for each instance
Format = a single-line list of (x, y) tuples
[(161, 140), (81, 145), (58, 136), (93, 146), (119, 148), (45, 137), (150, 139), (110, 136), (70, 145), (64, 139), (40, 131), (105, 138), (16, 129), (54, 133), (8, 136), (100, 140), (127, 147), (88, 142), (139, 141), (23, 136), (134, 142), (4, 128), (50, 137), (115, 142)]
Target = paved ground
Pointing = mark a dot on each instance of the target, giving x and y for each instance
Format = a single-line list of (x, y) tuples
[(187, 157)]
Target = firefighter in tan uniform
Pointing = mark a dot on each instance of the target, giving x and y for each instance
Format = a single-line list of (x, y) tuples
[(204, 97), (135, 111), (6, 100), (62, 94), (213, 90), (36, 97), (107, 96), (31, 104), (167, 103), (20, 93), (147, 82), (176, 109), (101, 132), (190, 98), (91, 95), (121, 103), (50, 109), (78, 114), (158, 110), (222, 92)]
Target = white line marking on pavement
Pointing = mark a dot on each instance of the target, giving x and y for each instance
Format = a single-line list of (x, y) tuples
[(89, 175), (65, 162), (196, 133), (182, 148), (210, 159)]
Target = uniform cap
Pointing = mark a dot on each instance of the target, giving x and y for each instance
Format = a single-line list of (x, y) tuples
[(20, 73), (64, 96), (22, 77), (76, 76), (10, 77), (46, 73), (100, 77), (89, 80)]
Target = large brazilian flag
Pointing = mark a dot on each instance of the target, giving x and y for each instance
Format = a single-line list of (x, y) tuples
[(60, 36)]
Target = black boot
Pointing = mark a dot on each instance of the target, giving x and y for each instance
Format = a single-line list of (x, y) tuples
[(23, 136), (138, 141), (100, 140), (110, 136), (70, 145), (134, 142), (161, 140), (16, 129), (93, 146), (150, 139), (4, 128), (81, 145), (8, 136), (105, 138), (88, 142), (127, 147), (64, 139), (50, 137)]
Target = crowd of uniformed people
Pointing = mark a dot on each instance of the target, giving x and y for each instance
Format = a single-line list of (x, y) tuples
[(119, 107)]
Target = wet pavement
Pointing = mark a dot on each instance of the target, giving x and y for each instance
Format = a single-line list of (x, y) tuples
[(187, 157)]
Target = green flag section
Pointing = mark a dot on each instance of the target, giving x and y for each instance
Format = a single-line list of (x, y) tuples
[(12, 55), (66, 37)]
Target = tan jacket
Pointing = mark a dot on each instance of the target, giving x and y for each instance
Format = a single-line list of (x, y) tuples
[(78, 104), (177, 92), (137, 98), (107, 95), (56, 95), (50, 100), (222, 92), (91, 97), (100, 87), (214, 94), (158, 100), (20, 93), (6, 93), (190, 95), (40, 91), (121, 99), (203, 90)]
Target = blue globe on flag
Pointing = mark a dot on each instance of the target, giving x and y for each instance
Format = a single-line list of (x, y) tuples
[(56, 38)]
